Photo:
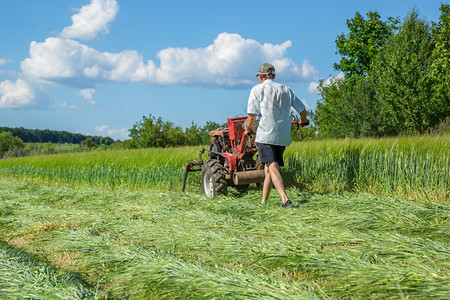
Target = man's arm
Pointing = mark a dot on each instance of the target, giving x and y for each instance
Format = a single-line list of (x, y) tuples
[(300, 106), (250, 121)]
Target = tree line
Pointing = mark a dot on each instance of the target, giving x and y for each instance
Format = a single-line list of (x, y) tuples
[(54, 136), (396, 78), (156, 132)]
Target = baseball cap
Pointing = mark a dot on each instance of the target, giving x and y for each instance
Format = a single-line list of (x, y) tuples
[(265, 68)]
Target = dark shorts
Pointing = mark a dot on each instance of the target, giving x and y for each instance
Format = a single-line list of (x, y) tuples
[(271, 153)]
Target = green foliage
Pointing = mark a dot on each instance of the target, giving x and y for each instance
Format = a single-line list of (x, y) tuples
[(360, 47), (53, 136), (193, 135), (118, 145), (402, 77), (48, 148), (396, 80), (210, 125), (351, 108), (305, 133), (154, 132), (439, 74), (88, 143), (9, 142)]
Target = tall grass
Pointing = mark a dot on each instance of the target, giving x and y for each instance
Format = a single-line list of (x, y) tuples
[(407, 166), (150, 168), (415, 167)]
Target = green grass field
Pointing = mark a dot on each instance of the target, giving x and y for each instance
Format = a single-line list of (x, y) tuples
[(370, 222)]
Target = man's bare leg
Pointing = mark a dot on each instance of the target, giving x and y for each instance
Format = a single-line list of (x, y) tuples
[(277, 180), (267, 185)]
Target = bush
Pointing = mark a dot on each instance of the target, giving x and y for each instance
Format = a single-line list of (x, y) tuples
[(48, 148), (9, 142), (88, 144)]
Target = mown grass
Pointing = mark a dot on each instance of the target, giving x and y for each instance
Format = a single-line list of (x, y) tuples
[(154, 244), (24, 276)]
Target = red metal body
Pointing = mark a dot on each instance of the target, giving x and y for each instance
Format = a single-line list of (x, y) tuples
[(241, 147)]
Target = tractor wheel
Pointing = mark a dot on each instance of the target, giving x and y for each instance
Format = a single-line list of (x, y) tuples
[(215, 146), (213, 178)]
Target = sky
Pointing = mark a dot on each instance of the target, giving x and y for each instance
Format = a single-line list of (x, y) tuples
[(97, 67)]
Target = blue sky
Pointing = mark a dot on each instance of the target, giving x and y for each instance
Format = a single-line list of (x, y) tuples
[(97, 66)]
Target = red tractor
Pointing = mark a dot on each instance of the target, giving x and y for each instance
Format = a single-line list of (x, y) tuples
[(231, 160)]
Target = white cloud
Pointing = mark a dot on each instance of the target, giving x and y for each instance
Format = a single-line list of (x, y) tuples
[(3, 61), (87, 95), (66, 105), (16, 94), (230, 61), (313, 87), (69, 62), (92, 19), (101, 128), (114, 133)]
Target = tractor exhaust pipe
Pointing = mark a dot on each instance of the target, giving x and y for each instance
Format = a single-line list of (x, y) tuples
[(247, 177)]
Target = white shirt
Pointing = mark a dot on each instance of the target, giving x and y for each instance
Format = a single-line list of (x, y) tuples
[(273, 101)]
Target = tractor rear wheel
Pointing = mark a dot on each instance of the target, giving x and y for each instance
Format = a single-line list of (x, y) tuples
[(213, 178), (216, 148)]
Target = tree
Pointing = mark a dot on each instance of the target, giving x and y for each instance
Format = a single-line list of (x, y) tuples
[(193, 135), (48, 148), (351, 109), (9, 142), (88, 143), (349, 106), (402, 76), (152, 132), (439, 74), (361, 46), (210, 125)]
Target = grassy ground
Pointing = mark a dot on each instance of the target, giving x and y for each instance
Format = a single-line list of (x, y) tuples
[(370, 222), (83, 242)]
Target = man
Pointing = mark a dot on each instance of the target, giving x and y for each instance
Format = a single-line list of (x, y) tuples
[(272, 102)]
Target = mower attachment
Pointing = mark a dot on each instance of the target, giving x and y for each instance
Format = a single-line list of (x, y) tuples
[(190, 166)]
